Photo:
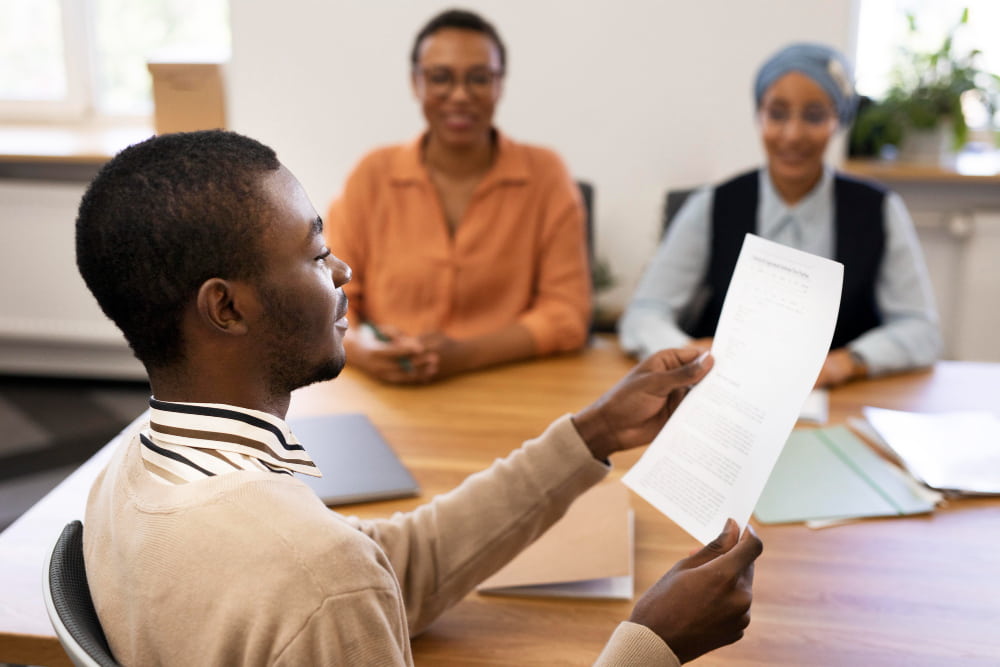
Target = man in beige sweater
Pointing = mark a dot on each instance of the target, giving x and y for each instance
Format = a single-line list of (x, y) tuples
[(202, 548)]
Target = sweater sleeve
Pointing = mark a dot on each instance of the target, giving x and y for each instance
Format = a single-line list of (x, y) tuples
[(635, 644), (356, 628), (442, 550), (559, 316)]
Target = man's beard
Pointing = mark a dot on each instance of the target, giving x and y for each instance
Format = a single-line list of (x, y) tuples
[(287, 370)]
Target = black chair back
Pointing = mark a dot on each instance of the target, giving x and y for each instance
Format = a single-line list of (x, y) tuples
[(674, 201), (69, 605), (587, 193)]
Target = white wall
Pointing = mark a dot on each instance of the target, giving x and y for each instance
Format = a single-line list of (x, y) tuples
[(637, 95)]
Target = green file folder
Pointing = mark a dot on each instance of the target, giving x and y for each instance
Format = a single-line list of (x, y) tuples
[(828, 473)]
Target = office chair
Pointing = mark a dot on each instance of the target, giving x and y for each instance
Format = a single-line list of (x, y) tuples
[(688, 316), (587, 193), (68, 603), (674, 201)]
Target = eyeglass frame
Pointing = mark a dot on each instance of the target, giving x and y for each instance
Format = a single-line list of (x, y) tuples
[(494, 75), (768, 115)]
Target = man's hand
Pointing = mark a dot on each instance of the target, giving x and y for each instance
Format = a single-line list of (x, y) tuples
[(703, 602), (700, 344), (632, 412)]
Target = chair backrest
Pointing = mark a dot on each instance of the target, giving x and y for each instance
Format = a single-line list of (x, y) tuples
[(587, 193), (68, 602), (597, 271), (673, 202)]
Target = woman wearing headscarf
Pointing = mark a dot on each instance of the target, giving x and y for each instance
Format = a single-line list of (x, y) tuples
[(887, 320), (468, 248)]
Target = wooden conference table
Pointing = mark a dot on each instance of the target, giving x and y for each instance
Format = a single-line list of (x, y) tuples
[(918, 590)]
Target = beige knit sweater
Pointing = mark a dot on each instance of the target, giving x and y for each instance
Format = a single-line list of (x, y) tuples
[(251, 568)]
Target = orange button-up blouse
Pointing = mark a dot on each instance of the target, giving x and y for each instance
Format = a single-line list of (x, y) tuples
[(519, 254)]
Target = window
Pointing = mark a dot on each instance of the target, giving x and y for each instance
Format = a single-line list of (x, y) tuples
[(71, 59), (882, 29)]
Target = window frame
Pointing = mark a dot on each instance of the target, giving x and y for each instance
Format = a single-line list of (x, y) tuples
[(81, 105), (76, 18)]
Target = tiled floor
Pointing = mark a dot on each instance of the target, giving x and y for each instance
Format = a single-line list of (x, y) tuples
[(50, 426)]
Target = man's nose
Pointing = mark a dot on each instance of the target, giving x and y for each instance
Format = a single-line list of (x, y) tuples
[(341, 272)]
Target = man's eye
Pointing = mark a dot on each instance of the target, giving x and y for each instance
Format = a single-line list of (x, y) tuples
[(322, 257)]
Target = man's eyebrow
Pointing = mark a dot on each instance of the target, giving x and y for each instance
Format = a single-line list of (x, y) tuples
[(317, 227)]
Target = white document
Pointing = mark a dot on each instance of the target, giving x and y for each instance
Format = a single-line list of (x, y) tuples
[(952, 451), (714, 455)]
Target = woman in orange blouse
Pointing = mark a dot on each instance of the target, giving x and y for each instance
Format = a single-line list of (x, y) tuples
[(468, 248)]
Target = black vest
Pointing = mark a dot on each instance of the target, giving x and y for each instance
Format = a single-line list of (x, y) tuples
[(859, 245)]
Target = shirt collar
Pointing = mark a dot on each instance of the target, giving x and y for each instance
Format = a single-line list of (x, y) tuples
[(774, 211), (509, 167), (226, 428)]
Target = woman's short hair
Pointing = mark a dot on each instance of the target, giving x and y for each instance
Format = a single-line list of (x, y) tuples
[(460, 19)]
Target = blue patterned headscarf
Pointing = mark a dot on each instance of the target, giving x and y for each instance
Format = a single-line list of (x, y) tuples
[(824, 65)]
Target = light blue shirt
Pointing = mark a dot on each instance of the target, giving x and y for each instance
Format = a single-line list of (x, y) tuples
[(909, 336)]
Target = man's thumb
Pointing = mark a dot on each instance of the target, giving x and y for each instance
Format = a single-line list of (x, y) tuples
[(725, 541)]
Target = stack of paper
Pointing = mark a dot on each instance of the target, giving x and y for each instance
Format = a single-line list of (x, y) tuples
[(587, 553), (826, 474), (954, 451)]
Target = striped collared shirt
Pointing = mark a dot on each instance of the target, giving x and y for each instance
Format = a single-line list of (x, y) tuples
[(190, 441)]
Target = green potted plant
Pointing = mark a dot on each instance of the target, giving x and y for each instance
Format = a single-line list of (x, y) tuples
[(922, 112)]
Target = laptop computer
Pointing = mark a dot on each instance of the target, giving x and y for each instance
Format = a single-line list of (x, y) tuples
[(358, 465)]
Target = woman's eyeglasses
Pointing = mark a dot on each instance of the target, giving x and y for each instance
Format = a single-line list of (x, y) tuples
[(440, 81), (815, 116)]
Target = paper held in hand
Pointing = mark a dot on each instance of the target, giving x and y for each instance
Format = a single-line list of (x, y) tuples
[(714, 455)]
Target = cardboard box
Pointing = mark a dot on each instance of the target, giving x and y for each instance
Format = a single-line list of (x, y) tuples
[(188, 96)]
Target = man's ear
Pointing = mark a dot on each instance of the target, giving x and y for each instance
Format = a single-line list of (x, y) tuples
[(223, 305)]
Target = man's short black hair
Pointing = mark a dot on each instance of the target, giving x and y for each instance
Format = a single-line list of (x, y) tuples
[(162, 217), (461, 19)]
